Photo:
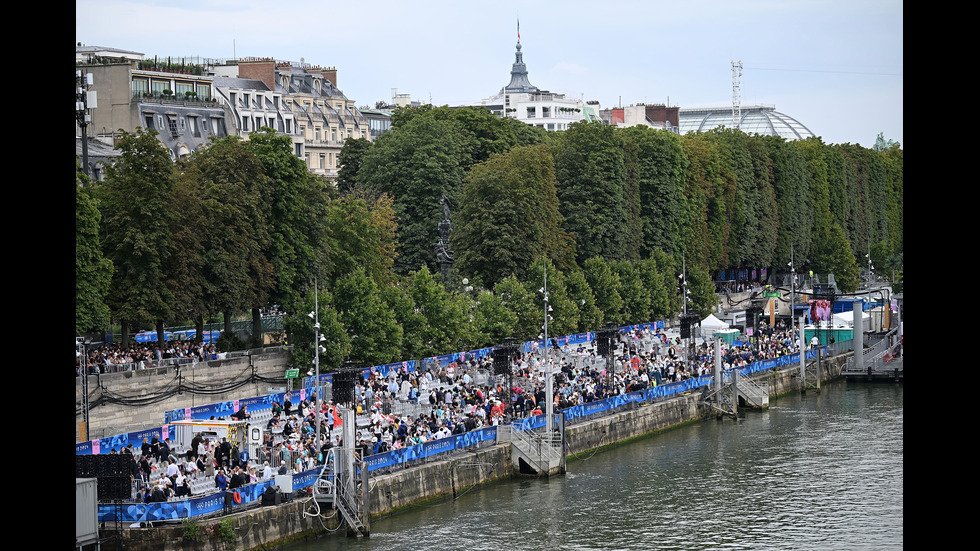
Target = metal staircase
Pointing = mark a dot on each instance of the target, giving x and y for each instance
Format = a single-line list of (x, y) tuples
[(334, 488), (542, 455), (347, 505), (734, 384), (753, 393), (342, 484)]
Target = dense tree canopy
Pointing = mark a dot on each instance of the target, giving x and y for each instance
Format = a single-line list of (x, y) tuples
[(509, 216), (138, 222), (610, 214), (93, 272)]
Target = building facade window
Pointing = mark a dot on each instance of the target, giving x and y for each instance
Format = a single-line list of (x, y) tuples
[(141, 87), (158, 86), (218, 126)]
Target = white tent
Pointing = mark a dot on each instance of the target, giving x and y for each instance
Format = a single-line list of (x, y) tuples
[(711, 324), (846, 319)]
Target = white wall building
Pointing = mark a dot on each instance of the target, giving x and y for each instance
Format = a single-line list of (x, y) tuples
[(527, 103)]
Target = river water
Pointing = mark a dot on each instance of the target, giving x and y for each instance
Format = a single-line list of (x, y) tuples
[(821, 471)]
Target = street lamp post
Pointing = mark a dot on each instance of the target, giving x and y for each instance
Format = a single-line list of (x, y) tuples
[(549, 398), (317, 338), (84, 100)]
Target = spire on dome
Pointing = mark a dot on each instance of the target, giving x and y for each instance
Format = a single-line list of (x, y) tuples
[(518, 73)]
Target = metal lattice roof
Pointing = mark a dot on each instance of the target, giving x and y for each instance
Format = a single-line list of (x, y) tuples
[(756, 119)]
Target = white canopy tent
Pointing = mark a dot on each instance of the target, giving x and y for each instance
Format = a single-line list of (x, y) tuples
[(710, 325), (846, 319)]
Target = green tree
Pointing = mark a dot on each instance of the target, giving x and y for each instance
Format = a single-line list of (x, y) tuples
[(447, 328), (237, 275), (563, 311), (702, 176), (636, 296), (659, 276), (509, 216), (295, 202), (589, 315), (136, 199), (515, 297), (481, 133), (758, 243), (376, 336), (791, 183), (360, 232), (418, 164), (349, 161), (492, 321), (832, 255), (593, 193), (701, 291), (660, 169), (93, 272), (415, 327), (299, 328), (606, 285)]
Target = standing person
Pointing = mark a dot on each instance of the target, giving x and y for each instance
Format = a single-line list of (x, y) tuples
[(192, 453), (224, 453), (155, 448), (220, 480)]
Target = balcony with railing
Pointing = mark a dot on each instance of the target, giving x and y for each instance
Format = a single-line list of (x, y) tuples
[(190, 98)]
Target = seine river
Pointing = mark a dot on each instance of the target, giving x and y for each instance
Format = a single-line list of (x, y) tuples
[(815, 472)]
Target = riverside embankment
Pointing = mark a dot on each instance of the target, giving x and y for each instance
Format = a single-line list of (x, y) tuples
[(444, 479)]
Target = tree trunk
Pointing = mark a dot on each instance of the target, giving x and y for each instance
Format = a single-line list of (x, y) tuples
[(199, 328), (161, 333), (124, 330)]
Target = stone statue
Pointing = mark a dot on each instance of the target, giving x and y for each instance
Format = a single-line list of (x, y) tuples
[(444, 256)]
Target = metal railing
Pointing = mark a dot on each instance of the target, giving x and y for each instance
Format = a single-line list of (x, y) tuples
[(541, 449), (757, 394)]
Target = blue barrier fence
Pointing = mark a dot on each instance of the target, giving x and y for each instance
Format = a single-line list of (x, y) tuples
[(195, 507), (401, 457)]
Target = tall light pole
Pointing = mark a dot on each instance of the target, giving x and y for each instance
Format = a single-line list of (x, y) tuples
[(84, 100), (317, 338), (549, 398)]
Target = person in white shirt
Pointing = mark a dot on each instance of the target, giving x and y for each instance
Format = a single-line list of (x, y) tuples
[(267, 472)]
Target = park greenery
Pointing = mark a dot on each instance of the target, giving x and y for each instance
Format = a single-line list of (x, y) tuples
[(608, 215)]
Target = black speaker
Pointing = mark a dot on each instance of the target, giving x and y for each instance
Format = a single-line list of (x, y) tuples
[(343, 384), (85, 466), (603, 344), (113, 488), (501, 360)]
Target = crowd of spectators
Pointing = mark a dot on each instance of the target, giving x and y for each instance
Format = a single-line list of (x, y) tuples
[(738, 286), (449, 401), (457, 404), (113, 356)]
